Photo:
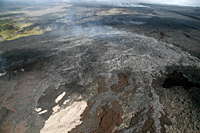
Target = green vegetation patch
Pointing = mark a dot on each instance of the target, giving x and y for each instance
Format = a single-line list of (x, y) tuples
[(27, 32), (10, 30)]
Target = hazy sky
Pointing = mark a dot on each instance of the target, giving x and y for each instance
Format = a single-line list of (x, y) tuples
[(176, 2)]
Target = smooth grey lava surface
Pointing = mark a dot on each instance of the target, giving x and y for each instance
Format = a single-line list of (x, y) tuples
[(122, 68)]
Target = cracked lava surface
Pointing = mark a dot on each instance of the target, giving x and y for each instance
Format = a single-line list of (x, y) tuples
[(98, 78)]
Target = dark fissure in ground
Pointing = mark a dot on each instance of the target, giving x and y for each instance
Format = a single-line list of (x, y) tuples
[(178, 76)]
